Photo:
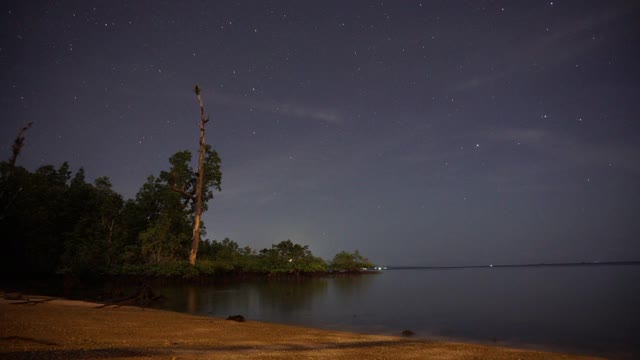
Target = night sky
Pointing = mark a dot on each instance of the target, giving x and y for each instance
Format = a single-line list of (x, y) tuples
[(419, 132)]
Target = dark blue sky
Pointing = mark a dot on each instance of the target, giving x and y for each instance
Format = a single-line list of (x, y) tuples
[(419, 132)]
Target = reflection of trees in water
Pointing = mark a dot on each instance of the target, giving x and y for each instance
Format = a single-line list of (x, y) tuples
[(264, 299), (211, 299), (192, 300), (352, 285), (228, 298), (220, 299), (285, 295)]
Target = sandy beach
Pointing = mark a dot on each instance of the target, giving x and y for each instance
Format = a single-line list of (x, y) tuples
[(65, 329)]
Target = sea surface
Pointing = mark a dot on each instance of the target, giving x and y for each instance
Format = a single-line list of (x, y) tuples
[(581, 309)]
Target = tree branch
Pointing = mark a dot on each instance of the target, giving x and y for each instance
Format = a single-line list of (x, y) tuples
[(18, 143), (181, 190)]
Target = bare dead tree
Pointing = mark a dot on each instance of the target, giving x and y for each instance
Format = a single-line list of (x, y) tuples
[(18, 143), (200, 182), (8, 193)]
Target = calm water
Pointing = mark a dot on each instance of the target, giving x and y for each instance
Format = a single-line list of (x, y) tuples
[(587, 309)]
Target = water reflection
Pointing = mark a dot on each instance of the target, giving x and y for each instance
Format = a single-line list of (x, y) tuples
[(267, 300), (290, 295), (192, 301), (569, 308), (349, 286)]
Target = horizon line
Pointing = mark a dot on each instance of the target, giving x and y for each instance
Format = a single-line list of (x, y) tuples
[(614, 262)]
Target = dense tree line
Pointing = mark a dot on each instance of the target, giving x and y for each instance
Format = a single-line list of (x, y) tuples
[(53, 221)]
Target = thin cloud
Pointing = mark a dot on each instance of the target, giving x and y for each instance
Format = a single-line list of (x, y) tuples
[(521, 135), (294, 110), (300, 111), (568, 42), (571, 149)]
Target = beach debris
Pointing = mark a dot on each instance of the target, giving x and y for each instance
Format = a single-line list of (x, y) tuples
[(407, 333), (20, 299), (143, 298), (32, 301), (13, 296), (238, 318)]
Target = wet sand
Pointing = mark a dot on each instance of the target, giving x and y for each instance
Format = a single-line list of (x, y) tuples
[(65, 329)]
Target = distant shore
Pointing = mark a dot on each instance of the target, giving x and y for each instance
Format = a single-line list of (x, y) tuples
[(557, 264), (65, 329)]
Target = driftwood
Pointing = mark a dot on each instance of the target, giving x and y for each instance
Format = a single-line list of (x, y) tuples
[(143, 298), (23, 300), (31, 302), (238, 318), (408, 333)]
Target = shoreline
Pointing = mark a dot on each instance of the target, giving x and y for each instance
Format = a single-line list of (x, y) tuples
[(70, 329)]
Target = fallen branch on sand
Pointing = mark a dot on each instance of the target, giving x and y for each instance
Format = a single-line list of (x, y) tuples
[(143, 298), (23, 300)]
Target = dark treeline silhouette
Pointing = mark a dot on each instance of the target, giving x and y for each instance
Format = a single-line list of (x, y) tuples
[(53, 221)]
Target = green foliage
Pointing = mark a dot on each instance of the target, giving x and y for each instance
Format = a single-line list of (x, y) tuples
[(212, 267), (345, 261), (171, 269), (182, 179), (180, 268), (38, 213), (95, 210), (287, 257), (161, 223), (228, 254), (166, 239), (53, 220)]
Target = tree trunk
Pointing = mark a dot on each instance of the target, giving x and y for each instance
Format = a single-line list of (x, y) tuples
[(199, 184), (18, 143)]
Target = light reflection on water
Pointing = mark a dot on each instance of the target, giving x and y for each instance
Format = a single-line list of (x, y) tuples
[(592, 309)]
